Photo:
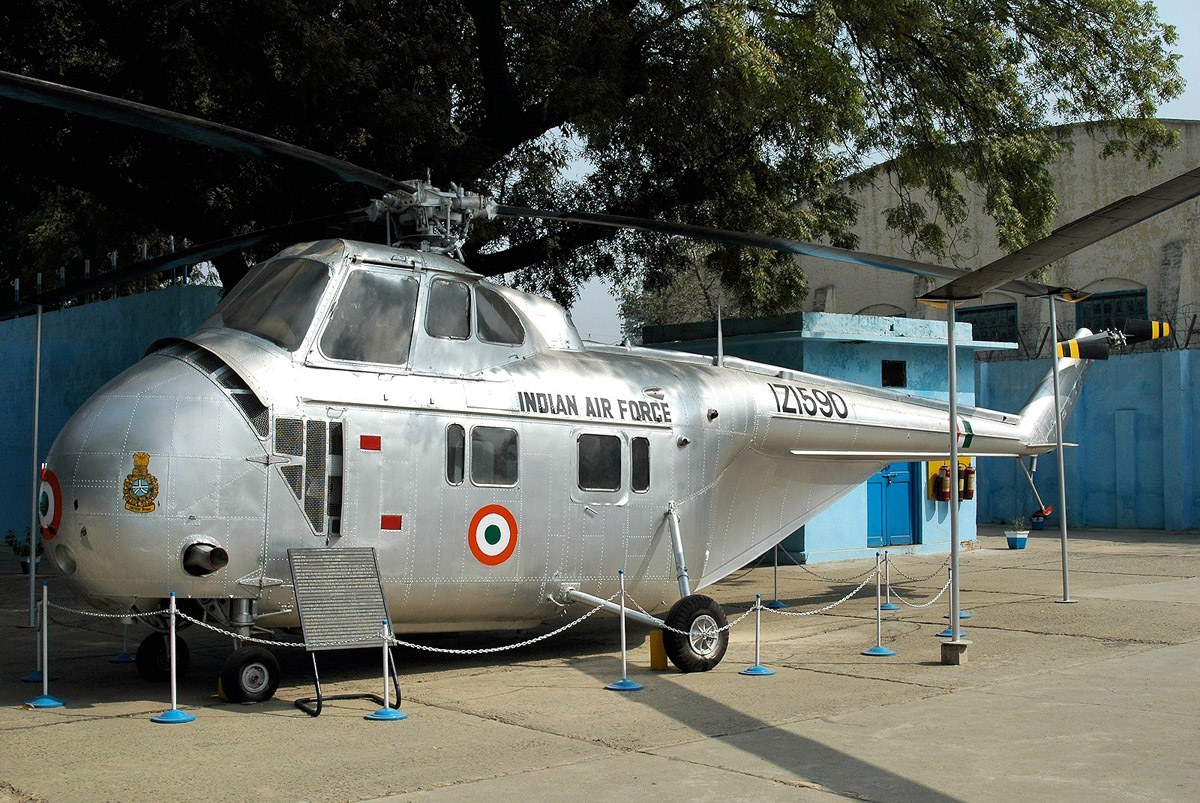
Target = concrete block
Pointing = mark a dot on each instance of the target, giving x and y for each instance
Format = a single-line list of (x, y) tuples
[(954, 653)]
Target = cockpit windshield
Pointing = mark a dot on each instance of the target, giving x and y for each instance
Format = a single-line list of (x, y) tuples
[(373, 319), (278, 301)]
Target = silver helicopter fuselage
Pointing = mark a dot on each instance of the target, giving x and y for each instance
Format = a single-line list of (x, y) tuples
[(348, 394)]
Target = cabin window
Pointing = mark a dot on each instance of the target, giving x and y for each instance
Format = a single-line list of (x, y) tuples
[(373, 319), (599, 463), (498, 323), (279, 301), (449, 312), (456, 454), (493, 456), (639, 479)]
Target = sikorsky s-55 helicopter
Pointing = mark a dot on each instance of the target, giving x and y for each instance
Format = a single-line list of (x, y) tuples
[(355, 394)]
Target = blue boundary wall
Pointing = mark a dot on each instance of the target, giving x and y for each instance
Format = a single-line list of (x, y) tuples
[(851, 347), (82, 348), (1136, 464)]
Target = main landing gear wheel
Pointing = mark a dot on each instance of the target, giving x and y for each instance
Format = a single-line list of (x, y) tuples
[(249, 675), (154, 657), (705, 643)]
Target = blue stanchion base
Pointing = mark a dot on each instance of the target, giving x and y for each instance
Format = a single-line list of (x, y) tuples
[(879, 650), (949, 633), (45, 701), (961, 615), (123, 658), (889, 606), (36, 677), (173, 717), (387, 715), (758, 670), (776, 605), (624, 684)]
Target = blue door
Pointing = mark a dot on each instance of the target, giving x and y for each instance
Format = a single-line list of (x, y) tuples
[(890, 506)]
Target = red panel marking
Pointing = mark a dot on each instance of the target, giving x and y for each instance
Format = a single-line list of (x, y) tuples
[(370, 443), (390, 522)]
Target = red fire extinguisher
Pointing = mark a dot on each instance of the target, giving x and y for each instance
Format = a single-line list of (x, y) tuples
[(967, 482), (941, 484)]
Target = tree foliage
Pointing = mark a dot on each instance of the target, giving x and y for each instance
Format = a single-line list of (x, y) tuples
[(758, 116)]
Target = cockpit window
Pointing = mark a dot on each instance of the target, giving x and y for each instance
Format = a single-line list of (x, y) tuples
[(373, 319), (497, 321), (449, 311), (279, 302)]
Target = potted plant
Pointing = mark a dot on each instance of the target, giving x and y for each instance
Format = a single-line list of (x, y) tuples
[(20, 548), (1017, 532)]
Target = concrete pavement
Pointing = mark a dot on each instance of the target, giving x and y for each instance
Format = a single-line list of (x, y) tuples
[(1095, 700)]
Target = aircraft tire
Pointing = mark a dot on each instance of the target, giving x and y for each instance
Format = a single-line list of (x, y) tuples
[(154, 657), (249, 675), (705, 643)]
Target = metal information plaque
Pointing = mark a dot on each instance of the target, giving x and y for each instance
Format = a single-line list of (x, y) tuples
[(339, 597)]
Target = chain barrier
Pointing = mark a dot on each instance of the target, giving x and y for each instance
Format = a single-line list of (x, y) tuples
[(666, 626), (99, 615), (922, 579), (896, 594), (489, 650), (827, 607)]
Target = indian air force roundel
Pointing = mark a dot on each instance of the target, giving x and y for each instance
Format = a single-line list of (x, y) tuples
[(492, 535), (49, 504)]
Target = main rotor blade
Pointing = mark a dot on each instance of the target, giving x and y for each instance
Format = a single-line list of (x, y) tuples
[(181, 126), (730, 237), (1072, 237), (179, 259)]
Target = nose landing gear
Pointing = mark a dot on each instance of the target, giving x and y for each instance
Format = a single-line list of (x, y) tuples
[(249, 675)]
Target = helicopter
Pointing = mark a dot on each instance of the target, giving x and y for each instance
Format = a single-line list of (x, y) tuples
[(355, 394)]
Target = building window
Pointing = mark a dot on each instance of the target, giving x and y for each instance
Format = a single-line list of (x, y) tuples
[(599, 463), (493, 456), (1111, 310), (997, 322), (895, 374)]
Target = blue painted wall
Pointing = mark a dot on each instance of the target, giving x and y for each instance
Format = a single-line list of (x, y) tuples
[(82, 348), (851, 347), (1136, 464)]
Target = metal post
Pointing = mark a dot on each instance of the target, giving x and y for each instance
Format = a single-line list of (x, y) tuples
[(758, 668), (1062, 477), (387, 713), (624, 684), (878, 649), (35, 525), (174, 715), (955, 636), (45, 701), (887, 585), (776, 603)]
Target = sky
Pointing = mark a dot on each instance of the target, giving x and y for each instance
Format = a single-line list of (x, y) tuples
[(595, 313)]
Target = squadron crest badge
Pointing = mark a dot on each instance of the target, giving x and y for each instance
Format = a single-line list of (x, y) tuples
[(141, 487)]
